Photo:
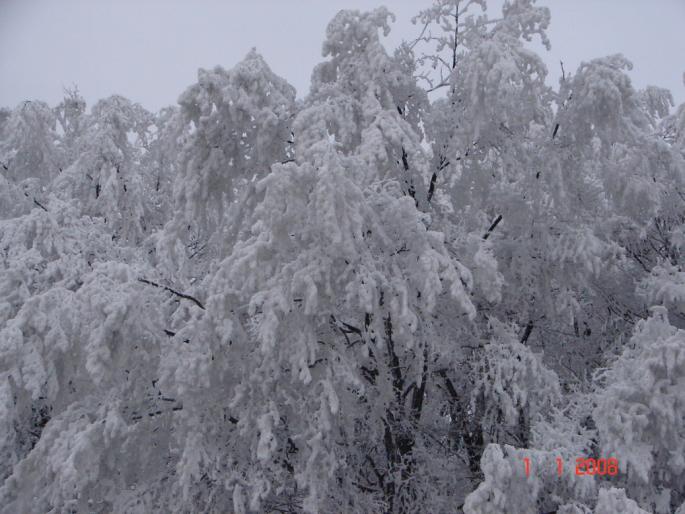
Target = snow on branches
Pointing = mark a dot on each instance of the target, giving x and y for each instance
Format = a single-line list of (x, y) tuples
[(435, 283)]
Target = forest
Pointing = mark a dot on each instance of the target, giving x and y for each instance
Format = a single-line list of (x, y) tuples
[(432, 284)]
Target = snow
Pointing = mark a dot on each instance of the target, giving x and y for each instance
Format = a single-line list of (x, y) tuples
[(374, 299)]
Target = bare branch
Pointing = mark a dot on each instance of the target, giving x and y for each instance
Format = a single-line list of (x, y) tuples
[(442, 84), (492, 227), (527, 332), (40, 205), (443, 164), (456, 36), (173, 291)]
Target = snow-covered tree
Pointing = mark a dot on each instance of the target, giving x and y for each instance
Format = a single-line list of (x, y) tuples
[(323, 301), (28, 148), (239, 125), (430, 285), (366, 102), (640, 413), (106, 177), (71, 118)]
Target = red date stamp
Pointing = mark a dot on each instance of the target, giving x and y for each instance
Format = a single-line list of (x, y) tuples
[(584, 467)]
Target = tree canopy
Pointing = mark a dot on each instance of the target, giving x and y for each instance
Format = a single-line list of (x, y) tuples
[(417, 289)]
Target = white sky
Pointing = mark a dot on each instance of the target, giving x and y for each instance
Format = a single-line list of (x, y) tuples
[(150, 50)]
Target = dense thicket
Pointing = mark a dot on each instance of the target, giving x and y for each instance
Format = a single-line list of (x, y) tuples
[(381, 298)]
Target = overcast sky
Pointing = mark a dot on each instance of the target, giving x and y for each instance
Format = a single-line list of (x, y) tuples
[(150, 50)]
